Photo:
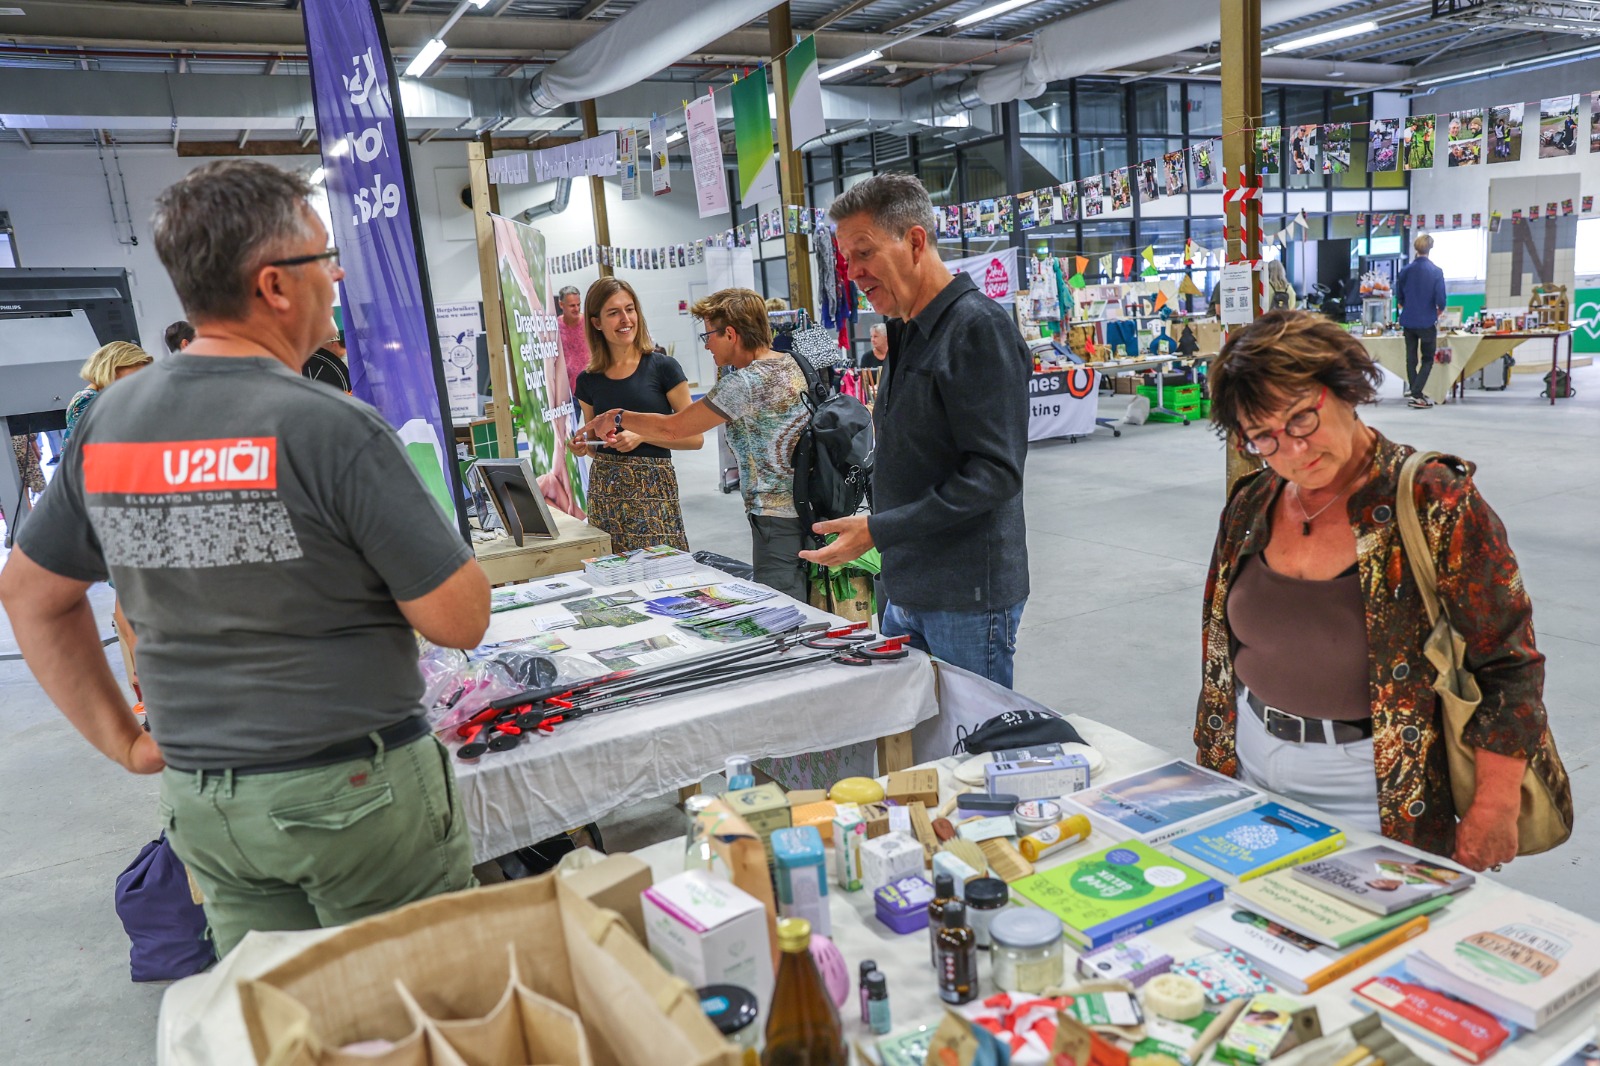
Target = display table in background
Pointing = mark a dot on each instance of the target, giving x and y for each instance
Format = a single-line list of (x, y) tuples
[(590, 767), (1471, 352), (505, 561)]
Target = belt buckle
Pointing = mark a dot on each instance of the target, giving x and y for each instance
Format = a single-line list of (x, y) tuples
[(1285, 716)]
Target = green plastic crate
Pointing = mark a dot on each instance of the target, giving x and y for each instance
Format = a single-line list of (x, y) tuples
[(1190, 411), (1174, 395)]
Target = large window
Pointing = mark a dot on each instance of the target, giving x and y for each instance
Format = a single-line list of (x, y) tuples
[(1586, 263), (1461, 253)]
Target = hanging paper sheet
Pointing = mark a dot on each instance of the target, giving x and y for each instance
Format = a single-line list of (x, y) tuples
[(805, 93), (660, 176), (705, 156), (628, 162)]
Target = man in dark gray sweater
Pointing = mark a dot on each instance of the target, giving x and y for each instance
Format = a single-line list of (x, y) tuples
[(951, 423)]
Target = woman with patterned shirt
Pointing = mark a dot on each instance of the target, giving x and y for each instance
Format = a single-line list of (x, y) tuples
[(1314, 682), (762, 400), (113, 362)]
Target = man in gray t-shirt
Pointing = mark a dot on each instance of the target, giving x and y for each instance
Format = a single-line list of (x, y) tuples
[(273, 548)]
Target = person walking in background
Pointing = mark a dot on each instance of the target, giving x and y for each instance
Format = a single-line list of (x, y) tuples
[(633, 490), (110, 363), (1421, 295), (1280, 294), (762, 400), (1314, 685), (574, 335), (178, 335), (947, 476), (278, 552)]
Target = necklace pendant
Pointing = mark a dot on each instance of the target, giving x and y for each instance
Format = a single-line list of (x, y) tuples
[(1305, 528)]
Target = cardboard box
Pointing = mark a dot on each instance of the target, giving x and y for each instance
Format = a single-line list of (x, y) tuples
[(764, 808), (707, 931), (615, 884), (1039, 778), (804, 797), (913, 786), (819, 815), (876, 815), (889, 858)]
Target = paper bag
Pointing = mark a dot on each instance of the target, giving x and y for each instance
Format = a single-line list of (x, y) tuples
[(450, 955)]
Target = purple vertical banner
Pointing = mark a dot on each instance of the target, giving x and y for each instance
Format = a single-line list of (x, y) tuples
[(388, 305)]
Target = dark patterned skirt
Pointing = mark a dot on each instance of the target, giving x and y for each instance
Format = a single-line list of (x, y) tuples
[(635, 499)]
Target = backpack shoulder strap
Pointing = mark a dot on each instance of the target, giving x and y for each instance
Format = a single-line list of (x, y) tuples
[(1418, 554), (816, 388)]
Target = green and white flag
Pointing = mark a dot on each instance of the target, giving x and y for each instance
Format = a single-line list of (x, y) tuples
[(805, 93), (752, 137)]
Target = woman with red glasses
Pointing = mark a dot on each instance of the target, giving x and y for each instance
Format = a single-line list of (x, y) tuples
[(1314, 682)]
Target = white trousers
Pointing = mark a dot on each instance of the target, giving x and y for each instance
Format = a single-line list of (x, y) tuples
[(1336, 778)]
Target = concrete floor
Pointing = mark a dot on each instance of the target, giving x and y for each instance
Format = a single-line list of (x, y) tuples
[(1120, 533)]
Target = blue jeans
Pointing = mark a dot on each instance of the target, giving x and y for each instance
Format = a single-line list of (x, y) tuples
[(980, 641)]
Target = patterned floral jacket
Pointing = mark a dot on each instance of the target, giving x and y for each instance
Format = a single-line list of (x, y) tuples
[(1482, 591)]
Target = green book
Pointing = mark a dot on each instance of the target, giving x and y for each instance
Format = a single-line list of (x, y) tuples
[(1115, 893), (1313, 913)]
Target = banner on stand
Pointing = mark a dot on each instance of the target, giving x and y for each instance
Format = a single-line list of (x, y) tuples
[(805, 93), (705, 157), (1063, 403), (393, 350), (543, 406), (660, 176), (752, 140), (995, 273)]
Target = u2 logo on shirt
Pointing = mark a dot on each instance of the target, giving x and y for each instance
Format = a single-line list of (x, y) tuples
[(171, 466), (241, 461)]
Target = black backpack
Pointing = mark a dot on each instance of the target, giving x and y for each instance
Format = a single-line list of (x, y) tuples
[(833, 457), (1280, 300)]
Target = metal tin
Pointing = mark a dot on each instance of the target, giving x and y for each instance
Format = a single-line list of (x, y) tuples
[(1033, 814)]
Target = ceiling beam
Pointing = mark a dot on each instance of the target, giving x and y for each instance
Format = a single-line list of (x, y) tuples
[(591, 9), (190, 149), (25, 138), (840, 13), (917, 15), (271, 30)]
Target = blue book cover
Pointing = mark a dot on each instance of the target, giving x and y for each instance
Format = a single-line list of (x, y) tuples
[(1260, 841)]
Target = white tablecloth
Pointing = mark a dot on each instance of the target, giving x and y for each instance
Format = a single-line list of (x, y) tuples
[(592, 766), (1470, 353)]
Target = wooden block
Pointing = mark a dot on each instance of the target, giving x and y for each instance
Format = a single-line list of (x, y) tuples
[(1005, 861), (802, 797), (894, 753), (914, 786), (922, 829)]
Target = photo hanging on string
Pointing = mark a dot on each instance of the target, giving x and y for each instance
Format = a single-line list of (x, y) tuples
[(1335, 140), (1417, 143), (1121, 189), (1383, 145), (1269, 151), (1091, 191), (1175, 166), (1505, 133), (1067, 201), (1207, 164), (1558, 126), (1303, 149), (1465, 138), (1594, 123), (1146, 179)]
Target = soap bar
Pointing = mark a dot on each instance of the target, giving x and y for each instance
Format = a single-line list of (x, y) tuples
[(907, 786), (816, 814), (889, 858), (856, 790)]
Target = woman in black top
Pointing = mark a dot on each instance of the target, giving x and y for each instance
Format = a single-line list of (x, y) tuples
[(633, 491)]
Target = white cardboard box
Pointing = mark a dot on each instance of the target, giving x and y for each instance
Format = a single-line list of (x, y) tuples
[(888, 858), (708, 932)]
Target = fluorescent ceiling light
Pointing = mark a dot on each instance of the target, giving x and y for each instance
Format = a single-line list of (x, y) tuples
[(675, 136), (991, 11), (480, 3), (425, 58), (1560, 57), (850, 64), (12, 11), (1203, 67), (1323, 38), (317, 176)]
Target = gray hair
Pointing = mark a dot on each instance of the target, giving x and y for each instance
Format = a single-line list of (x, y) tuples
[(879, 327), (1276, 277), (220, 224), (896, 202), (568, 290)]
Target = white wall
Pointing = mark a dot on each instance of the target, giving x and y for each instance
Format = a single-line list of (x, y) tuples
[(58, 205)]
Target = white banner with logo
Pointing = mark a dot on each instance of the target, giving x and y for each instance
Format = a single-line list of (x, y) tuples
[(995, 274), (1063, 403)]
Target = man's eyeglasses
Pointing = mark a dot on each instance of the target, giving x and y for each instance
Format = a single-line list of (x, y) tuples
[(1300, 424), (331, 255)]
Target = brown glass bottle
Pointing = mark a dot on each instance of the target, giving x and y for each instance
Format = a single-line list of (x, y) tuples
[(957, 947), (944, 890), (802, 1024)]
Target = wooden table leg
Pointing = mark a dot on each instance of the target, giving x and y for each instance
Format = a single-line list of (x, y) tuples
[(894, 753), (688, 790)]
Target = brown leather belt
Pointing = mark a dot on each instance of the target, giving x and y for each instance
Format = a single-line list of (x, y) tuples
[(1292, 727)]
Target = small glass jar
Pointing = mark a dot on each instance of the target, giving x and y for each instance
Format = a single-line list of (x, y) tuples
[(986, 897), (1028, 954), (733, 1010)]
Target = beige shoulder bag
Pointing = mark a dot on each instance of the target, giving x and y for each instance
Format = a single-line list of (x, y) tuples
[(1541, 825)]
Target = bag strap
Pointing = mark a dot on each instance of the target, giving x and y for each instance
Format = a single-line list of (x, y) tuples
[(1415, 541), (815, 387)]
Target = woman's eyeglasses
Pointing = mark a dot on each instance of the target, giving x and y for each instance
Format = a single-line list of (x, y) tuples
[(1300, 424), (708, 334)]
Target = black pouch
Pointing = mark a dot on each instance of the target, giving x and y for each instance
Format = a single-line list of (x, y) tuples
[(1016, 729)]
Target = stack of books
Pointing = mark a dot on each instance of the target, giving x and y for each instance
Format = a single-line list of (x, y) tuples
[(744, 623), (646, 564), (532, 593), (1259, 841), (1156, 805)]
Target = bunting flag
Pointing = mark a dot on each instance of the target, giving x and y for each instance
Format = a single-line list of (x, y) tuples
[(805, 93), (1082, 262), (1187, 287), (752, 138)]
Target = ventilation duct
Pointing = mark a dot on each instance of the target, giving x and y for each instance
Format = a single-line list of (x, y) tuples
[(643, 42), (553, 206), (1100, 40)]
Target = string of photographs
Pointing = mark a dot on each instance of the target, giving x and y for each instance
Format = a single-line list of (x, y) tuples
[(768, 226), (1462, 138)]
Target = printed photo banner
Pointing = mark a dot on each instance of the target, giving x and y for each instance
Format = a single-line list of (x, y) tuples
[(770, 225)]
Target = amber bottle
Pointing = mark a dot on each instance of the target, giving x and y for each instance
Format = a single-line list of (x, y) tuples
[(803, 1024)]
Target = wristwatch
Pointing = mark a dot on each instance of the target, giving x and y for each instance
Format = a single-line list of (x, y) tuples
[(619, 421)]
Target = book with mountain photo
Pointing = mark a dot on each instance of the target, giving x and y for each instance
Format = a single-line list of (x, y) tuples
[(1165, 801), (1381, 879)]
